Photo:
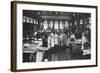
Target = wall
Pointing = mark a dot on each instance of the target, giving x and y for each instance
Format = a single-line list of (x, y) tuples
[(5, 37)]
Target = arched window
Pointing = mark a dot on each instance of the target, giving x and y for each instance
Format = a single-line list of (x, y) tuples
[(31, 20), (61, 25), (66, 24), (27, 19), (81, 21), (56, 25), (51, 24), (45, 24)]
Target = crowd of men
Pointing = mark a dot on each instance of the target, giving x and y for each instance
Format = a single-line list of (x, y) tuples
[(63, 45), (59, 42)]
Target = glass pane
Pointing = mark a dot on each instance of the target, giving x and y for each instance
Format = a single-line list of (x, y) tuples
[(61, 25), (81, 21), (56, 25), (51, 24), (45, 25)]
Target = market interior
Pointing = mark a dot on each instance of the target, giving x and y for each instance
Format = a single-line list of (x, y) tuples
[(56, 36)]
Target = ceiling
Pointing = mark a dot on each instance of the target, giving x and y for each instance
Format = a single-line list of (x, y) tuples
[(54, 15)]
